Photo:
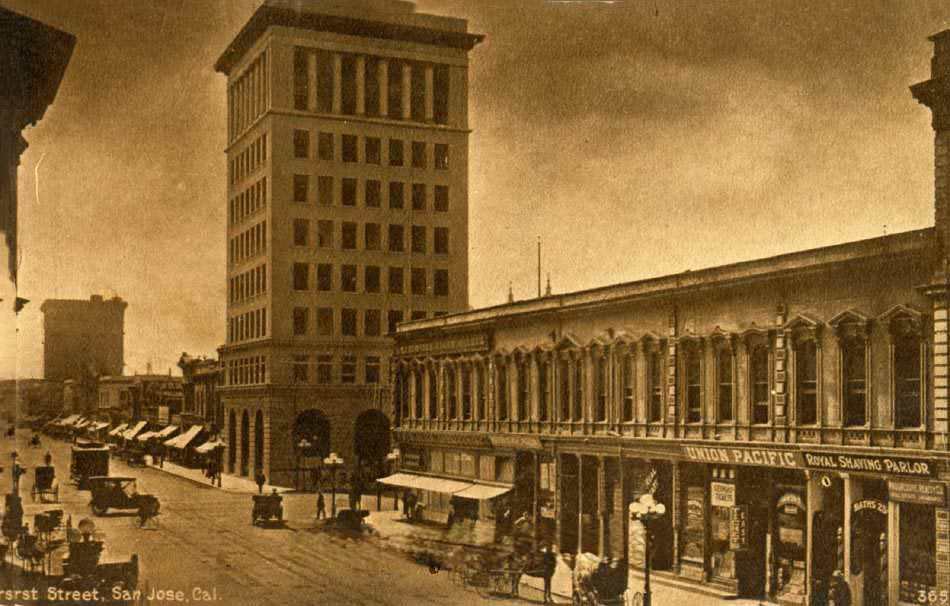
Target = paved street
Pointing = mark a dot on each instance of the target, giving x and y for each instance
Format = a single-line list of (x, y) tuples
[(204, 540)]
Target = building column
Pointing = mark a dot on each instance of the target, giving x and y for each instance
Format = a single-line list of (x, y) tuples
[(406, 91), (312, 82), (382, 75), (337, 83), (360, 85), (429, 93)]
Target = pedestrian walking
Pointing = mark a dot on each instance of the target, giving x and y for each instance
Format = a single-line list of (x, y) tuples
[(260, 479), (321, 506)]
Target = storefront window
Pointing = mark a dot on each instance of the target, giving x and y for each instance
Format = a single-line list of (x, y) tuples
[(918, 573)]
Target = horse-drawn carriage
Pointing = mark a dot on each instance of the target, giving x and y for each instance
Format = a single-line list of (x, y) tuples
[(598, 581), (267, 507), (89, 459), (45, 485)]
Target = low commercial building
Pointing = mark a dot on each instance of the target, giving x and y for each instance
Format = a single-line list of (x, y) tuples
[(791, 413)]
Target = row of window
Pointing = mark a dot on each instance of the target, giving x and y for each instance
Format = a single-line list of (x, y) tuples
[(390, 88), (325, 374), (249, 160), (247, 285), (349, 281), (248, 325), (372, 150), (249, 243), (564, 380), (248, 202), (372, 193), (246, 371), (372, 236), (247, 95)]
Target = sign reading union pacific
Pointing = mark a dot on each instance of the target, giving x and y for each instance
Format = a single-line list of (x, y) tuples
[(870, 463), (743, 456)]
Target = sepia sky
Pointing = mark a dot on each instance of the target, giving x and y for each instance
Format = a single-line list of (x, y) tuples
[(637, 138)]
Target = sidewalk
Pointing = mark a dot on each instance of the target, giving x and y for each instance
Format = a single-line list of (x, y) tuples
[(229, 483)]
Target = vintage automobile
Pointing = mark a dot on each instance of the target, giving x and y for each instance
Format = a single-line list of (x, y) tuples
[(89, 459), (121, 493), (267, 507), (45, 486)]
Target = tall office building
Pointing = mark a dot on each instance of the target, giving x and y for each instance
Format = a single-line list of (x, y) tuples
[(347, 213)]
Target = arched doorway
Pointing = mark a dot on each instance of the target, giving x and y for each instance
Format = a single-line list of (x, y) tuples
[(371, 441), (258, 442), (245, 442), (232, 441), (313, 427)]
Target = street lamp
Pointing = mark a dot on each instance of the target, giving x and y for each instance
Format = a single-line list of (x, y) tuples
[(392, 457), (333, 461), (645, 510)]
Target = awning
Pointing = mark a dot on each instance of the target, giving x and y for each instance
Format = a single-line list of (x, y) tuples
[(409, 480), (120, 428), (483, 492), (184, 439), (209, 446), (130, 434)]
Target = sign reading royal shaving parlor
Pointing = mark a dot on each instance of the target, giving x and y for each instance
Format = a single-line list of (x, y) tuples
[(899, 466), (768, 457)]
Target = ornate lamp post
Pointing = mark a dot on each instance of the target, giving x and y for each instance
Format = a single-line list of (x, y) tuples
[(392, 458), (333, 461), (645, 511)]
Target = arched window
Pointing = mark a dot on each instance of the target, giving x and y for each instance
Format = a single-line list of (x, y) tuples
[(759, 383)]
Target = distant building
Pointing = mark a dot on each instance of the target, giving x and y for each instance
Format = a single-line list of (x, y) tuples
[(83, 339), (347, 214), (33, 59), (202, 401)]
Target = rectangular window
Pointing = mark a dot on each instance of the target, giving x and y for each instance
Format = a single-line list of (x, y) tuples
[(373, 194), (300, 320), (301, 185), (442, 198), (371, 323), (396, 280), (418, 239), (418, 196), (324, 369), (348, 148), (348, 192), (440, 94), (348, 241), (325, 234), (759, 370), (418, 154), (301, 276), (441, 156), (301, 144), (854, 381), (324, 277), (325, 190), (694, 386), (395, 152), (724, 364), (325, 321), (371, 236), (806, 382), (348, 369), (301, 231), (301, 374), (372, 150), (627, 386), (907, 382), (393, 319), (396, 238), (348, 278), (397, 195), (348, 322), (371, 278), (441, 244), (440, 283), (418, 281), (656, 386), (372, 370), (325, 146)]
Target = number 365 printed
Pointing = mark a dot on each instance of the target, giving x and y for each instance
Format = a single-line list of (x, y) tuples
[(932, 597)]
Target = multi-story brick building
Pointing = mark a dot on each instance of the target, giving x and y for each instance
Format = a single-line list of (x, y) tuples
[(83, 339), (791, 413), (347, 213)]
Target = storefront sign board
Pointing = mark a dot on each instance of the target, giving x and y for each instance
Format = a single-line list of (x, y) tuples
[(722, 494), (899, 466), (768, 457), (924, 493)]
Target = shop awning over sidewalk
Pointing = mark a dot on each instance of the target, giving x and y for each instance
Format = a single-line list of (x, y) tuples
[(118, 429), (483, 492), (184, 439)]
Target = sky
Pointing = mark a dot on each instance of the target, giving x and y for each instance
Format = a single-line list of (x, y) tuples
[(636, 138)]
